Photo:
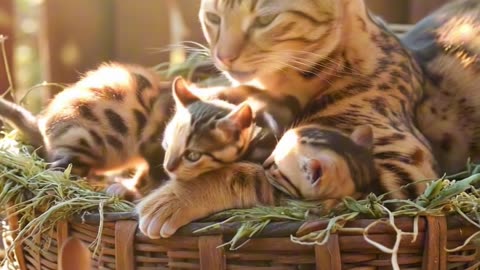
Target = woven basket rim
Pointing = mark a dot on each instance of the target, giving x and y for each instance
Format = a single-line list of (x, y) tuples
[(274, 229)]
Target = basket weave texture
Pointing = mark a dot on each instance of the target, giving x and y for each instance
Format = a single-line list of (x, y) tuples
[(123, 247)]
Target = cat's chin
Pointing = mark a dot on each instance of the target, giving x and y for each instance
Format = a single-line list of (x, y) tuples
[(241, 76)]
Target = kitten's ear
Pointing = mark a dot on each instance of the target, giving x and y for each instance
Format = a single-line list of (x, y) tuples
[(242, 117), (181, 93), (315, 171), (239, 121), (363, 136)]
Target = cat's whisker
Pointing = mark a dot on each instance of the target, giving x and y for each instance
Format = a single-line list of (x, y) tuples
[(316, 55), (323, 57), (308, 63)]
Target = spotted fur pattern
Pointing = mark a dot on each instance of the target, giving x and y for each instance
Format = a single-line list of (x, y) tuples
[(357, 73), (344, 68), (447, 45), (102, 123)]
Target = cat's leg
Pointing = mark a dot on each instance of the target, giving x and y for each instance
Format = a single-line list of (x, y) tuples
[(176, 203)]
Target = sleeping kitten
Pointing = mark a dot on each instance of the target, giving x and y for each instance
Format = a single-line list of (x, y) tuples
[(447, 46), (325, 164), (344, 68), (102, 123), (207, 133)]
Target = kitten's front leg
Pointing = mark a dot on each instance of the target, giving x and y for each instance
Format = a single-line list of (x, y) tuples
[(177, 203)]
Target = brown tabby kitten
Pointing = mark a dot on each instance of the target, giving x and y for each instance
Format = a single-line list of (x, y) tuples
[(447, 45), (101, 123), (324, 164), (345, 70), (207, 133), (348, 70), (177, 203), (328, 167)]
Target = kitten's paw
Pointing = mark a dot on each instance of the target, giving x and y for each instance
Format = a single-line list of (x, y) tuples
[(162, 213), (121, 191)]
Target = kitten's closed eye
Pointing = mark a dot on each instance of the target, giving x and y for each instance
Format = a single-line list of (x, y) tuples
[(213, 18)]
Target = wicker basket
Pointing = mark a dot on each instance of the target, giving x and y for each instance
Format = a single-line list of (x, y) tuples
[(123, 247)]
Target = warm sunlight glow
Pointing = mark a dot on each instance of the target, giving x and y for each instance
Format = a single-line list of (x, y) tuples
[(256, 83), (464, 32), (284, 147), (105, 76), (130, 184), (459, 30), (461, 35)]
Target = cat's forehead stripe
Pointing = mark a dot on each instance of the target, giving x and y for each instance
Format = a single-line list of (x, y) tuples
[(332, 140)]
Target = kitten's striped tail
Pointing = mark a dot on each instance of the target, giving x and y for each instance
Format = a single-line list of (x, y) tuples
[(23, 120)]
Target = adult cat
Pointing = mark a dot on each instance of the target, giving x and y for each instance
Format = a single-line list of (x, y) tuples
[(345, 69), (447, 46)]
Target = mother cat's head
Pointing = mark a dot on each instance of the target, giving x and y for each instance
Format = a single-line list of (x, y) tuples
[(251, 39)]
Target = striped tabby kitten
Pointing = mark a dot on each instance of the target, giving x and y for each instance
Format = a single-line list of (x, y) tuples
[(207, 133), (324, 164), (101, 123), (177, 203), (447, 45), (344, 68), (327, 167)]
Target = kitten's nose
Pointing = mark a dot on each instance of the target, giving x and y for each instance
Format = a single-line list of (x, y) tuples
[(227, 58), (173, 164)]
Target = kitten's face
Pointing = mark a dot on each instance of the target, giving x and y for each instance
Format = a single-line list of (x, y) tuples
[(253, 38), (204, 135), (313, 164)]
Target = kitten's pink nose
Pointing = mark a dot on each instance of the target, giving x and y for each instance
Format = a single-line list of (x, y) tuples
[(227, 58), (173, 164)]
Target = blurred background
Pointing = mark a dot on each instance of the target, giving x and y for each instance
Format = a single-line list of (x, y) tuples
[(56, 40)]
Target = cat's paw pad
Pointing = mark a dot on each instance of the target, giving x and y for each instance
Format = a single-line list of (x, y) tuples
[(162, 214)]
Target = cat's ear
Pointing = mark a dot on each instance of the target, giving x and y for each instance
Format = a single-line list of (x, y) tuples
[(363, 136), (239, 121), (181, 93), (315, 171), (241, 117)]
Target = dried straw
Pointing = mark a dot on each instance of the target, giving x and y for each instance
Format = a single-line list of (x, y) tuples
[(41, 197)]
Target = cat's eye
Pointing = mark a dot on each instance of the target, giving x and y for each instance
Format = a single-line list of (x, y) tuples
[(264, 21), (213, 18), (193, 156)]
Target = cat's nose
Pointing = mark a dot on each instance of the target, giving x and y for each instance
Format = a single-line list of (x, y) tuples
[(172, 164), (227, 58)]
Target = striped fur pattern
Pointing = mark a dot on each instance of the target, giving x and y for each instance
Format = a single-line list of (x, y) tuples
[(345, 69), (316, 163), (103, 122), (177, 203), (207, 133), (447, 45), (334, 53)]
